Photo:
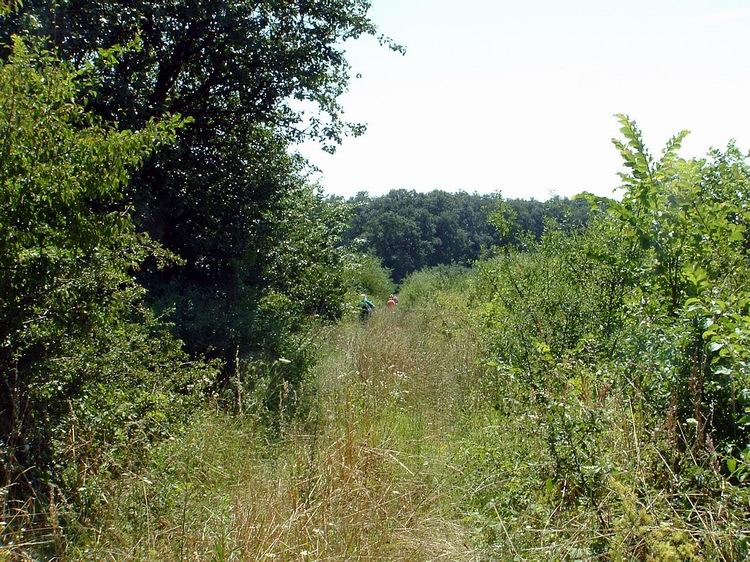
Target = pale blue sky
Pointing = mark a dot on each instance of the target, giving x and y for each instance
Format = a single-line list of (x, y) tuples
[(519, 96)]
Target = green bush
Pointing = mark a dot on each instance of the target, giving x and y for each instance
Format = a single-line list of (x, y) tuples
[(421, 288), (366, 274), (87, 370), (628, 343)]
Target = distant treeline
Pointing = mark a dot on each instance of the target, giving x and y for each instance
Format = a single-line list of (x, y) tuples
[(409, 231)]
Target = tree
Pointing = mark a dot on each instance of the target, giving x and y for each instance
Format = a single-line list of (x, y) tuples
[(254, 76), (409, 231)]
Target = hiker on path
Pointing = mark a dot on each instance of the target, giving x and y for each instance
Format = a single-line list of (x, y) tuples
[(366, 307), (391, 303)]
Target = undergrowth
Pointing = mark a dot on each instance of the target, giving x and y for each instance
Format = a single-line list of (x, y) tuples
[(414, 446), (366, 474)]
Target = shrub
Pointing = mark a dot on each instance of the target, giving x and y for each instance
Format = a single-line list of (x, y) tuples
[(421, 287), (86, 368)]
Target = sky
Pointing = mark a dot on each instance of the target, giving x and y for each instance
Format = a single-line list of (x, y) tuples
[(519, 96)]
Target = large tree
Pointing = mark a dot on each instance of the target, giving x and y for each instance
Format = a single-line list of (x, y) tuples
[(253, 76)]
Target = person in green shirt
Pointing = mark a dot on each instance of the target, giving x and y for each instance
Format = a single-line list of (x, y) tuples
[(366, 307)]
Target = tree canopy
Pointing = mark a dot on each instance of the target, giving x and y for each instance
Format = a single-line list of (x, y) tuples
[(409, 231), (149, 184), (251, 77)]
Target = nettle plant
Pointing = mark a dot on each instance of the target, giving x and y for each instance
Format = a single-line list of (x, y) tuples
[(689, 218)]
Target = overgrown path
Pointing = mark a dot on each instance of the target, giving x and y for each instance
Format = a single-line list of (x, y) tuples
[(367, 472), (381, 470)]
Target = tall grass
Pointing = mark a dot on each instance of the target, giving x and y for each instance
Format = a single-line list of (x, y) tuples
[(367, 474), (641, 508)]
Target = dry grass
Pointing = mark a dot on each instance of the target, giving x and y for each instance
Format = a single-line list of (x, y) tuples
[(30, 525), (367, 477), (369, 484)]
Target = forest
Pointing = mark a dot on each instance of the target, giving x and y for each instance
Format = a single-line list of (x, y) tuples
[(410, 231), (185, 369)]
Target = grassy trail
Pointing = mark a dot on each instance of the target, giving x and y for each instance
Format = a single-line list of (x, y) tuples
[(367, 474)]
